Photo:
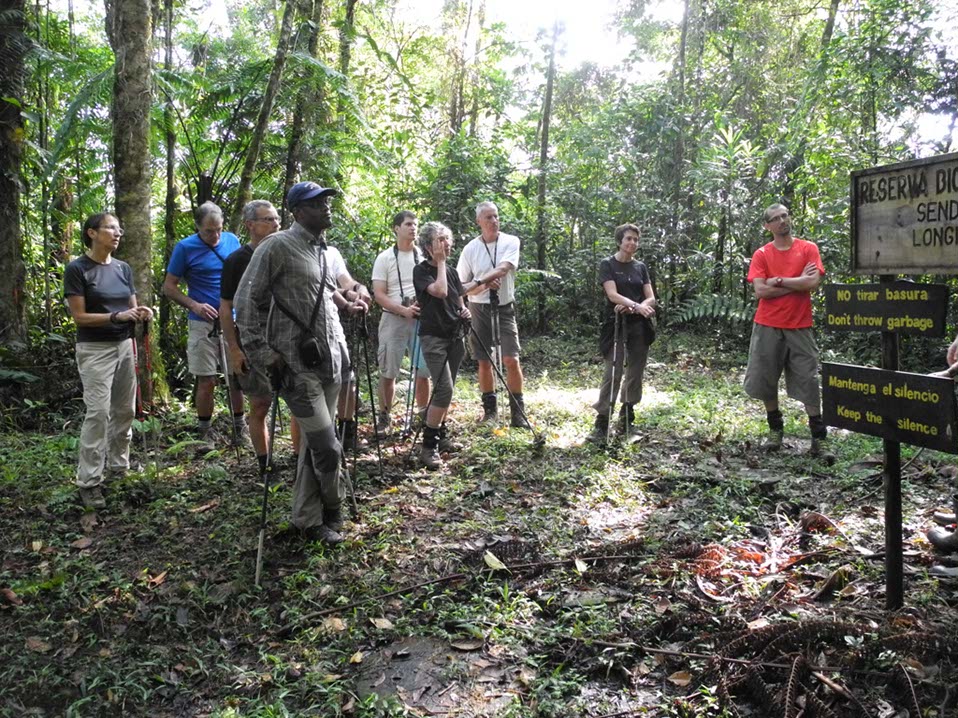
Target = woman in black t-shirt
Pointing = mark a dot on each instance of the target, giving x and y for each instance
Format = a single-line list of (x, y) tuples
[(100, 293), (631, 303), (441, 326)]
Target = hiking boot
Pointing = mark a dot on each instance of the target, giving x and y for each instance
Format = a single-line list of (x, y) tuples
[(92, 497), (517, 408), (242, 439), (209, 440), (489, 416), (323, 534), (446, 445), (600, 431), (429, 454), (773, 441), (383, 422), (820, 449), (943, 540), (333, 518)]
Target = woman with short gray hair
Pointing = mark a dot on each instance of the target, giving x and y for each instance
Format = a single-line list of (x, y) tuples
[(441, 327)]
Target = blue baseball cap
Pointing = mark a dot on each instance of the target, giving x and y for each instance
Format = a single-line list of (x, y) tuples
[(302, 191)]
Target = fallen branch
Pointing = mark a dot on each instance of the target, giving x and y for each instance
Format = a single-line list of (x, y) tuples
[(840, 690), (739, 661)]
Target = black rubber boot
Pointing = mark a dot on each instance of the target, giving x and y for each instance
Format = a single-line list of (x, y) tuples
[(600, 431), (488, 408), (517, 408), (430, 448), (943, 540), (446, 445), (627, 420)]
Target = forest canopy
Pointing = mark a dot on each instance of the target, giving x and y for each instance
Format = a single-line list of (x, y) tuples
[(713, 113)]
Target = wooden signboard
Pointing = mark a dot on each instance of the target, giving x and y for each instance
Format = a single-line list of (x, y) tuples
[(904, 217), (903, 307), (898, 406)]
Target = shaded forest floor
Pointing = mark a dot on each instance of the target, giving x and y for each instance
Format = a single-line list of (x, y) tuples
[(685, 574)]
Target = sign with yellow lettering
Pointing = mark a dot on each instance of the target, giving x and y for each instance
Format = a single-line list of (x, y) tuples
[(904, 217), (909, 408), (904, 307)]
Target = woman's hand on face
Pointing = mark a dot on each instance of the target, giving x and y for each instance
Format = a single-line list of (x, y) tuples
[(439, 253)]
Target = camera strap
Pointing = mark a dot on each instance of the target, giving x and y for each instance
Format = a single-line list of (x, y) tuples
[(417, 258), (308, 328)]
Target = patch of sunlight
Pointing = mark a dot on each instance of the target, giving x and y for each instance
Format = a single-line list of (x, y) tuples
[(614, 523)]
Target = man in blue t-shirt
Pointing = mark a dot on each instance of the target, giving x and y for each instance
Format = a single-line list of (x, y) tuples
[(198, 260)]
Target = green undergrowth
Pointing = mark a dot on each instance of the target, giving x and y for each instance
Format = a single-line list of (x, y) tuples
[(148, 607)]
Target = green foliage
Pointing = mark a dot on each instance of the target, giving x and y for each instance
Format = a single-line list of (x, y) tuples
[(731, 310)]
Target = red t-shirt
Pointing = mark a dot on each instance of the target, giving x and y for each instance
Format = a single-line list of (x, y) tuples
[(792, 310)]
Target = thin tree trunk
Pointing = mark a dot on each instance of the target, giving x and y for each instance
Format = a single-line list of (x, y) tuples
[(541, 238), (259, 132), (169, 138), (310, 100), (129, 27), (347, 34), (13, 47)]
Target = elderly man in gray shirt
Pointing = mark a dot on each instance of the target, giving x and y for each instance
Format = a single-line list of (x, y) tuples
[(286, 312)]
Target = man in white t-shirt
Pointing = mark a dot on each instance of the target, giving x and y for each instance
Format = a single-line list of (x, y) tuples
[(487, 269), (394, 292)]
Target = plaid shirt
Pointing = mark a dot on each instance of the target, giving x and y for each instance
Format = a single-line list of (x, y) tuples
[(288, 265)]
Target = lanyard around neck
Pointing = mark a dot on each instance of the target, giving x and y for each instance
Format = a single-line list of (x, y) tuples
[(492, 255), (415, 255)]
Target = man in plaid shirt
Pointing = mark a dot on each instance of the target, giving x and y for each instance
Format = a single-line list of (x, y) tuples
[(288, 274)]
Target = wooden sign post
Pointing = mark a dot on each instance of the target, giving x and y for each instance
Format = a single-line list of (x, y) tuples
[(904, 220)]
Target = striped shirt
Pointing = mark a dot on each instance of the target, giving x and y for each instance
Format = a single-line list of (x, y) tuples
[(289, 266)]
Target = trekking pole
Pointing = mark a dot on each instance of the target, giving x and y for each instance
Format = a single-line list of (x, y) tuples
[(218, 333), (538, 440), (138, 410), (372, 397), (612, 386), (413, 376), (264, 475), (496, 357)]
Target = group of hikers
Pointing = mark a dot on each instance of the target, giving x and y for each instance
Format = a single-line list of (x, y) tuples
[(269, 316)]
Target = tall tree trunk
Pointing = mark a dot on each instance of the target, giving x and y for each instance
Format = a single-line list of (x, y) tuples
[(169, 139), (347, 35), (474, 109), (311, 100), (13, 48), (259, 132), (541, 237), (129, 27)]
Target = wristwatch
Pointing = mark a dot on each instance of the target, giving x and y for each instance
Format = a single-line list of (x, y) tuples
[(778, 281)]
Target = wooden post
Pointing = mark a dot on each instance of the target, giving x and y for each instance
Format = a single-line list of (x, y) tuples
[(894, 562)]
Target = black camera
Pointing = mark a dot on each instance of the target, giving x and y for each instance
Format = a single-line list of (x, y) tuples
[(408, 301), (313, 353), (494, 296)]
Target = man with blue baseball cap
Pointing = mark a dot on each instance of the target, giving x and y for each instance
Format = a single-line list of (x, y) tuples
[(286, 311)]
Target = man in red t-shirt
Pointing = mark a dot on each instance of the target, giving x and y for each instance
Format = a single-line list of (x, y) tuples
[(784, 273)]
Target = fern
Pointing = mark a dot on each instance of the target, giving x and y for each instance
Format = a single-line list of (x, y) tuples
[(711, 307)]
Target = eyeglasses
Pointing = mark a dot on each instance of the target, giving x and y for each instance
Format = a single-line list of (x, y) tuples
[(272, 220), (116, 229), (778, 218)]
